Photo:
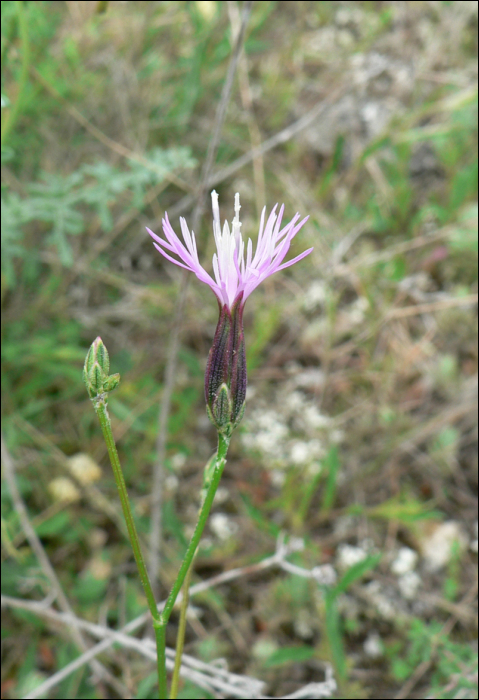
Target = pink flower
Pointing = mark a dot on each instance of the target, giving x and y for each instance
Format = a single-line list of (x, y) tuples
[(235, 279), (234, 275)]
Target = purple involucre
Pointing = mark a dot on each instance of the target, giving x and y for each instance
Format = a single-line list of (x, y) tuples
[(233, 274)]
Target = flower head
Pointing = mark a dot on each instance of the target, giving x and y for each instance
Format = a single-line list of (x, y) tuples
[(235, 277), (234, 274)]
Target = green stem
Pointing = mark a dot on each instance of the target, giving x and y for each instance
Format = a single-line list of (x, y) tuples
[(9, 121), (212, 479), (180, 639), (160, 629), (220, 461)]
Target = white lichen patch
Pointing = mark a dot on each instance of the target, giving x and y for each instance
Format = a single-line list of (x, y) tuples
[(63, 489), (303, 624), (384, 604), (409, 584), (266, 434), (304, 452), (438, 542), (171, 482), (178, 461), (222, 495), (348, 555), (325, 574), (373, 646), (405, 561), (294, 434), (223, 526), (315, 295), (84, 468)]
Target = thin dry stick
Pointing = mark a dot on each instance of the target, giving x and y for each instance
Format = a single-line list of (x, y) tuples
[(341, 269), (247, 102), (124, 220), (217, 678), (186, 202), (170, 369), (48, 570), (430, 307), (158, 468), (104, 139), (207, 676), (93, 494), (282, 136), (275, 560)]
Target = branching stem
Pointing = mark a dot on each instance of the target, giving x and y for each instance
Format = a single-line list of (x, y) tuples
[(186, 565)]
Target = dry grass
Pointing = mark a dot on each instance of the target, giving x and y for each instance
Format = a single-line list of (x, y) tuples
[(360, 434)]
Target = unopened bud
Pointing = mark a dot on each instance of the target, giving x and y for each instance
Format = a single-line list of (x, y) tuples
[(95, 371), (225, 378), (98, 353), (112, 382), (221, 408)]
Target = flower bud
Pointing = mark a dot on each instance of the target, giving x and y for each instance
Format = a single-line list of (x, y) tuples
[(111, 382), (225, 378), (95, 371)]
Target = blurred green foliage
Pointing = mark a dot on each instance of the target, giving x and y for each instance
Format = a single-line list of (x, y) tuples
[(455, 664), (107, 118)]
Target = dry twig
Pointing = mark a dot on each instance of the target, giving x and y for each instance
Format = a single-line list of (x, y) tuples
[(37, 547), (208, 676)]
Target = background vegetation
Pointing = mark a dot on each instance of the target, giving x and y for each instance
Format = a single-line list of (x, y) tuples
[(360, 430)]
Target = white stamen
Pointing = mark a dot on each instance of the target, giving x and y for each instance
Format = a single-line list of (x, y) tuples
[(236, 220), (237, 268), (215, 206), (216, 216)]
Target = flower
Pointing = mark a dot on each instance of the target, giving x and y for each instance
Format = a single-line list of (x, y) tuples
[(234, 279), (233, 274)]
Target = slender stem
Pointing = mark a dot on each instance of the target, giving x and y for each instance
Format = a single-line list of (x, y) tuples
[(180, 639), (160, 620), (160, 636), (211, 480), (160, 631), (223, 444)]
